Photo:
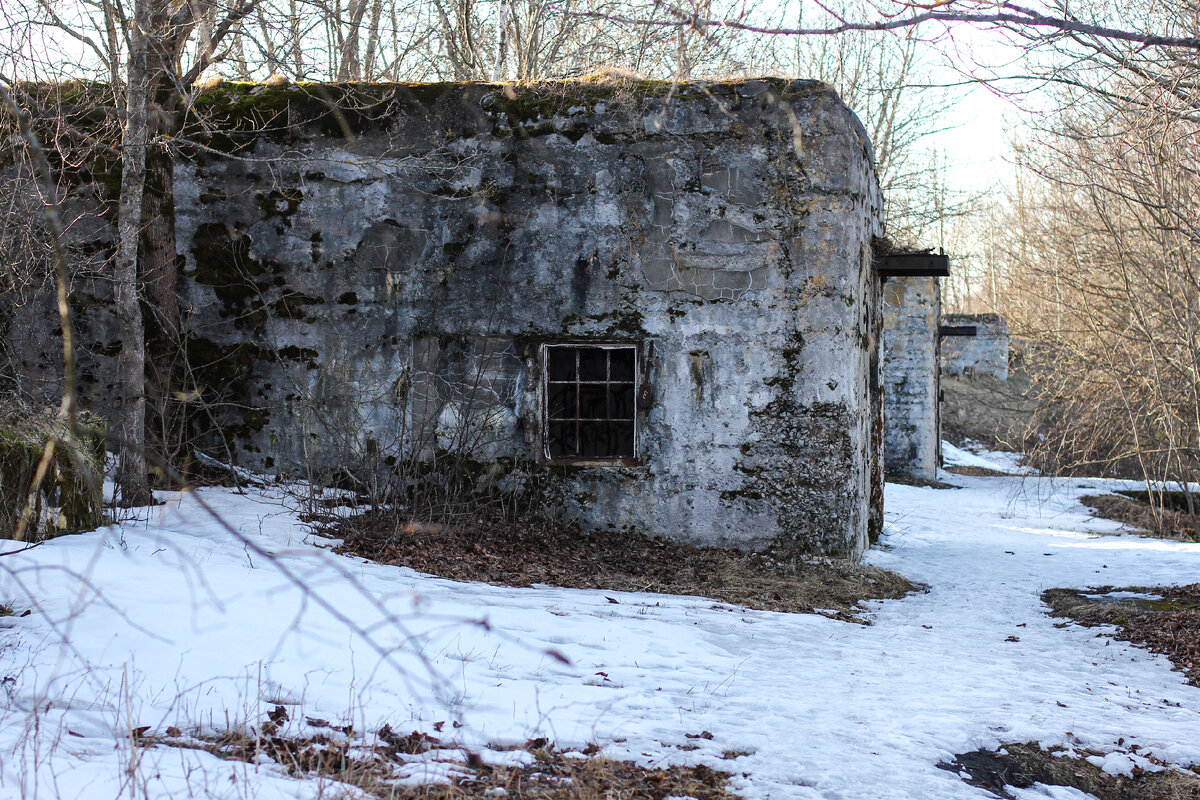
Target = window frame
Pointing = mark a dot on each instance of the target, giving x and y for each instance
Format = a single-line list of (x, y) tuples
[(612, 461)]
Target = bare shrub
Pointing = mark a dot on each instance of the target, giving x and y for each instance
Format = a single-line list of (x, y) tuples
[(1158, 519), (1102, 252)]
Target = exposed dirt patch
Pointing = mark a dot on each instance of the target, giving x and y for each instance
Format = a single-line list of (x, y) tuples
[(391, 766), (1169, 625), (1022, 765), (5, 611), (980, 472), (525, 553), (1168, 523)]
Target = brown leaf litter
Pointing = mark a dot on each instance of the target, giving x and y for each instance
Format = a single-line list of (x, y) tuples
[(524, 553), (980, 472), (378, 767), (1139, 516)]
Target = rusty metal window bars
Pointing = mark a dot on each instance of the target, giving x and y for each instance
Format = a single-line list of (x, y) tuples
[(591, 406)]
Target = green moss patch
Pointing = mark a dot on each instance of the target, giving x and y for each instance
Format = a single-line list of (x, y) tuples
[(231, 115), (68, 496)]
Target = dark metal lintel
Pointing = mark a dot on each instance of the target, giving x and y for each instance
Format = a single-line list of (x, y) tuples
[(935, 265)]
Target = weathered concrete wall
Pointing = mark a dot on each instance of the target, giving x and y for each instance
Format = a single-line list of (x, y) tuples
[(388, 293), (911, 310), (985, 353)]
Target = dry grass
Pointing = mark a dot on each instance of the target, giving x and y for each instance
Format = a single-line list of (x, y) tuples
[(1170, 626), (379, 768), (1022, 765), (911, 480), (980, 472), (1169, 524), (526, 553)]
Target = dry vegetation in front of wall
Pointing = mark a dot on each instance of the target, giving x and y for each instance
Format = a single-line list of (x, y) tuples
[(973, 471), (1137, 514), (537, 552), (1021, 765), (926, 483), (50, 475), (389, 765), (1170, 625)]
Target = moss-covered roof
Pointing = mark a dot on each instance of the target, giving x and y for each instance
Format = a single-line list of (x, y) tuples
[(237, 109)]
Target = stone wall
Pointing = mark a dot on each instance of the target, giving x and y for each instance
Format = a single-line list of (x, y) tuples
[(985, 353), (911, 309), (382, 281)]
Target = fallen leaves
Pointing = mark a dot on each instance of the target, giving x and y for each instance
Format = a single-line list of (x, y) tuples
[(528, 552)]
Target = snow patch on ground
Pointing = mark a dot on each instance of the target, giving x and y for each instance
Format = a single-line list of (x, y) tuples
[(1041, 792), (976, 455), (1123, 763), (205, 622), (1124, 595)]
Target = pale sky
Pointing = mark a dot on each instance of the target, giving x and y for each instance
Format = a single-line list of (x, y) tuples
[(984, 120)]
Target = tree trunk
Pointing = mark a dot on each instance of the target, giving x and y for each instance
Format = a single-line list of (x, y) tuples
[(133, 485), (159, 274)]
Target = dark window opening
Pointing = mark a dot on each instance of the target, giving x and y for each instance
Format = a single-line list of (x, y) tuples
[(590, 401)]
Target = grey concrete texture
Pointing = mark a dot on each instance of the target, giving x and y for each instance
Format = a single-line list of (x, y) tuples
[(911, 311), (984, 354)]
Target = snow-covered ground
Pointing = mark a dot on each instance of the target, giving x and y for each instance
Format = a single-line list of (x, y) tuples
[(978, 457), (177, 621)]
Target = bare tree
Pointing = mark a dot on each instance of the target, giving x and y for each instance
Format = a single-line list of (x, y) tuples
[(150, 62), (1045, 26), (1101, 254), (884, 78), (131, 363)]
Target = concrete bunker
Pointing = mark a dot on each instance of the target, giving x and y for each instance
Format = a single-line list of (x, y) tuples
[(654, 303), (912, 306), (975, 344)]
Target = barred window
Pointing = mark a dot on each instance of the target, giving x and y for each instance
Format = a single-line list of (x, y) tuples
[(591, 393)]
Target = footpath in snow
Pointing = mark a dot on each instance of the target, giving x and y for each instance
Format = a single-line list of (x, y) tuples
[(175, 621)]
